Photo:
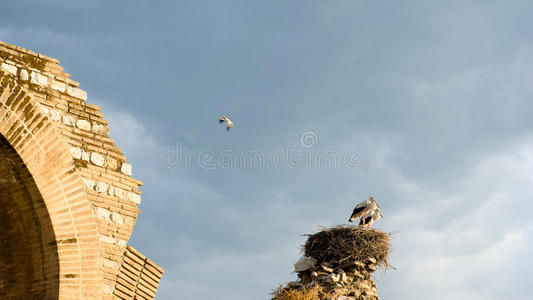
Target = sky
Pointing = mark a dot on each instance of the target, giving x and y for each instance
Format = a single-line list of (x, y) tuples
[(425, 105)]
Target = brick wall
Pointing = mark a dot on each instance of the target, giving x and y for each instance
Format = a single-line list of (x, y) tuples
[(83, 185), (139, 276)]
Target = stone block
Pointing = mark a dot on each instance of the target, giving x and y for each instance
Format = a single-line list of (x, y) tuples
[(58, 86), (88, 183), (111, 163), (83, 125), (107, 239), (55, 115), (135, 198), (69, 120), (85, 155), (101, 187), (102, 213), (39, 79), (77, 93), (304, 263), (100, 129), (9, 68), (117, 218), (126, 169), (120, 193), (24, 76), (76, 152), (97, 159)]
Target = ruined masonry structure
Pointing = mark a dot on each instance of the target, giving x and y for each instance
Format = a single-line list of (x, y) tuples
[(68, 201), (338, 264)]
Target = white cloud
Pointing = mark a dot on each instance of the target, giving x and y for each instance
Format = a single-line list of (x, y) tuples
[(471, 254)]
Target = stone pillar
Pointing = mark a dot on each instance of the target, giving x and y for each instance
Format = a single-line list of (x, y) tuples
[(338, 265)]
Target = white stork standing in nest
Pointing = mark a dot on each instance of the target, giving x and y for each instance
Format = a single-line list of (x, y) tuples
[(363, 208), (229, 124), (371, 217)]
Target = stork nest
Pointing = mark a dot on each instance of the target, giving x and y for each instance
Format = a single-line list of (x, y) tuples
[(349, 243)]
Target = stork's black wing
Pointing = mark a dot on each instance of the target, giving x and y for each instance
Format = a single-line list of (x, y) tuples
[(368, 219), (356, 211)]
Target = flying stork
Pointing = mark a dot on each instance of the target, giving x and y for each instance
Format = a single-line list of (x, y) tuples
[(371, 217), (228, 121), (363, 208)]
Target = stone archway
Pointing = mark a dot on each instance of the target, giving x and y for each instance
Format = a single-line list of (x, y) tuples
[(29, 264), (69, 200), (48, 210)]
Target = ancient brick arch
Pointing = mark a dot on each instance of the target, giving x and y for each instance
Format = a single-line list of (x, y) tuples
[(26, 233), (68, 200), (39, 186)]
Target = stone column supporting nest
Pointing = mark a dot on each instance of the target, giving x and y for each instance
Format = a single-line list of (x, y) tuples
[(338, 264)]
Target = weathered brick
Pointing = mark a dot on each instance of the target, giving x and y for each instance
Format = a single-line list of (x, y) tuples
[(97, 159), (9, 68), (135, 198), (39, 79), (102, 213), (76, 152), (76, 92), (126, 169), (69, 120), (58, 86), (24, 76), (83, 125)]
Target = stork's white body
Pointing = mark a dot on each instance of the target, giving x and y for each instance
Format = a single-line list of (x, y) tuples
[(229, 124), (363, 208)]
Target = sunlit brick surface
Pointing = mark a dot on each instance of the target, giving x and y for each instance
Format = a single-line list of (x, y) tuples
[(69, 201)]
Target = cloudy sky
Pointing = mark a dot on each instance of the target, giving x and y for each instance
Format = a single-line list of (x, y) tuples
[(428, 106)]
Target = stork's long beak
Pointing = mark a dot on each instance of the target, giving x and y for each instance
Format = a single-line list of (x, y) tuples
[(381, 215)]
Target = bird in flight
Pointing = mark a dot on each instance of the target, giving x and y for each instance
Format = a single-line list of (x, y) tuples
[(371, 217), (228, 121), (363, 208)]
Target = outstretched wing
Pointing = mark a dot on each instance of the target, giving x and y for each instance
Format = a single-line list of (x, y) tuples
[(221, 120)]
